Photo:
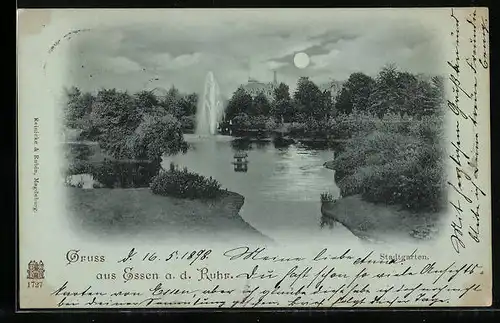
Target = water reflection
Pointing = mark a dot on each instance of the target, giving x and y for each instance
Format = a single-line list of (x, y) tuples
[(282, 142), (281, 181), (309, 144), (241, 144), (240, 161), (327, 222), (241, 168)]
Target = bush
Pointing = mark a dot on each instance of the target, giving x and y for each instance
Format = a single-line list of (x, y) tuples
[(345, 126), (81, 151), (125, 173), (398, 163), (241, 121), (76, 167), (271, 124), (258, 122), (317, 128), (185, 184), (296, 129), (327, 197)]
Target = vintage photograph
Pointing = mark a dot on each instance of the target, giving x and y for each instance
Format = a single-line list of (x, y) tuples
[(256, 127), (254, 158)]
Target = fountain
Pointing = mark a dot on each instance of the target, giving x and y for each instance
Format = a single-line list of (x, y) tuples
[(210, 108)]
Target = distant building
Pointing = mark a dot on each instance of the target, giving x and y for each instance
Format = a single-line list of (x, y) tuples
[(254, 87), (332, 86)]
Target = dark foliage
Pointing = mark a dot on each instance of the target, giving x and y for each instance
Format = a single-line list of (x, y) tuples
[(77, 167), (124, 173), (185, 184), (398, 163), (126, 126), (240, 103)]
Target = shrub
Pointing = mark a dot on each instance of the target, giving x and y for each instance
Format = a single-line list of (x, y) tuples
[(398, 163), (81, 151), (77, 151), (76, 167), (296, 129), (241, 121), (125, 173), (185, 184), (271, 124), (345, 126), (258, 122), (317, 128), (327, 197)]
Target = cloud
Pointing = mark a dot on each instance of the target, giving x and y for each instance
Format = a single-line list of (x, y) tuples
[(275, 65), (181, 50), (121, 65), (166, 61), (325, 60)]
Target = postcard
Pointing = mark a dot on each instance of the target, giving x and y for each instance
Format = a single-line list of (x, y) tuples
[(253, 158)]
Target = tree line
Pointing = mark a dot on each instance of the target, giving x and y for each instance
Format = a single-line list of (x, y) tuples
[(137, 126), (308, 101), (81, 104), (143, 124), (391, 91)]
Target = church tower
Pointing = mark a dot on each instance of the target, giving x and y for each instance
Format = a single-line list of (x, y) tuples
[(275, 79)]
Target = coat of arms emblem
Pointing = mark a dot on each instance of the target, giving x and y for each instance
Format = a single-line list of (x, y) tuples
[(36, 270)]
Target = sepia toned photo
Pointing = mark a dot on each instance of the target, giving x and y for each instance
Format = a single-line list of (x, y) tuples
[(345, 135)]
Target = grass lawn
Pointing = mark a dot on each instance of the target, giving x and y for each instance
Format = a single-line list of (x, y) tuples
[(380, 222), (137, 211)]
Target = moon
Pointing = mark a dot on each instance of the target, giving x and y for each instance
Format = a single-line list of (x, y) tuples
[(301, 60)]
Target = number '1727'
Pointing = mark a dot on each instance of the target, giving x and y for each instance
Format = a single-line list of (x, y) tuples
[(34, 284)]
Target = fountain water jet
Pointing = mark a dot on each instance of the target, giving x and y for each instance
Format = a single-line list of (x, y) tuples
[(210, 108)]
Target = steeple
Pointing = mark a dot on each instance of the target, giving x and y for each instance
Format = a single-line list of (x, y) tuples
[(275, 79)]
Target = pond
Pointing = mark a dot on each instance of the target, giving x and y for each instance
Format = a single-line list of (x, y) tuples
[(281, 183)]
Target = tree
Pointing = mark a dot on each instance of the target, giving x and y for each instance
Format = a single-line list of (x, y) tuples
[(147, 102), (329, 103), (170, 102), (355, 94), (437, 93), (427, 98), (154, 137), (438, 88), (260, 106), (309, 99), (72, 94), (282, 93), (240, 102), (78, 108), (281, 106), (188, 104), (406, 94), (115, 116), (384, 95), (242, 120)]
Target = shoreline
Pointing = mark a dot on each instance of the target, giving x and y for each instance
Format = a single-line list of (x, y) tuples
[(329, 165)]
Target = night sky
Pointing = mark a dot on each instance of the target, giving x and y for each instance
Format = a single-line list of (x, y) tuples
[(236, 45)]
